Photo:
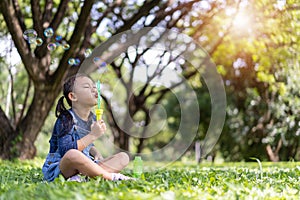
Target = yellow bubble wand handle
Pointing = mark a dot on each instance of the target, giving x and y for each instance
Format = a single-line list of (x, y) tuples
[(99, 111)]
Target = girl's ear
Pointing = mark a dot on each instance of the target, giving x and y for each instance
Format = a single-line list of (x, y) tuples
[(72, 96)]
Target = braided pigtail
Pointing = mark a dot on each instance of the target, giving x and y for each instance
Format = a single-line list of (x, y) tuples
[(60, 107)]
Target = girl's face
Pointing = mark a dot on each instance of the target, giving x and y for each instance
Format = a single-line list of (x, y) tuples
[(85, 92)]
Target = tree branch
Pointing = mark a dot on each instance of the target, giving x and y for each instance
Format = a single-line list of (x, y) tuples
[(143, 11), (25, 101), (107, 11), (36, 16), (12, 94), (47, 13), (19, 15), (111, 119), (14, 25), (74, 40), (118, 72), (61, 11)]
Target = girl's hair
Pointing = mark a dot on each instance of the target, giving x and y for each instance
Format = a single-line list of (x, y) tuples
[(67, 88)]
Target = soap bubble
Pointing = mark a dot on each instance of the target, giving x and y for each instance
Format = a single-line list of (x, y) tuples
[(100, 64), (77, 61), (48, 32), (58, 38), (87, 52), (65, 46), (39, 41), (71, 61), (74, 61), (51, 46), (32, 41), (57, 44), (29, 34)]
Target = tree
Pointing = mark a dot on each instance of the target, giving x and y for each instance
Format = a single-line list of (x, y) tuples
[(252, 44), (257, 85), (76, 26)]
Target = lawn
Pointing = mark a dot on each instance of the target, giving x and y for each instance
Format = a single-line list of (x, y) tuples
[(23, 180)]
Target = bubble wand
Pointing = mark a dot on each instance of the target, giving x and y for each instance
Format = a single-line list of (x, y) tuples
[(99, 111)]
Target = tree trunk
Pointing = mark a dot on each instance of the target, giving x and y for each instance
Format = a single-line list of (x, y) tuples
[(140, 145), (19, 142), (6, 131), (274, 155), (124, 141)]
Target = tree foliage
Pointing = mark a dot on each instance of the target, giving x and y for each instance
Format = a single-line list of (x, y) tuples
[(254, 44), (258, 77), (81, 25)]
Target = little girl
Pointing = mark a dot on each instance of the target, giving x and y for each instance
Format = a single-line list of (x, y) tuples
[(72, 151)]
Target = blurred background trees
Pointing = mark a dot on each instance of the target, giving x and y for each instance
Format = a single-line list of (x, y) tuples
[(254, 45)]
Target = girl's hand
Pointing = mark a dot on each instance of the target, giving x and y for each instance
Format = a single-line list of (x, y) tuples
[(98, 128)]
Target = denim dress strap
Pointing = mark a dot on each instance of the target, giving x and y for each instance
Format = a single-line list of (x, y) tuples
[(73, 115), (81, 133)]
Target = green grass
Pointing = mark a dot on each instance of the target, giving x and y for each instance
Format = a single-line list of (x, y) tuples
[(23, 180)]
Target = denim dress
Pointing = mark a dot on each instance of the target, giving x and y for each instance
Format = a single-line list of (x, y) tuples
[(68, 128)]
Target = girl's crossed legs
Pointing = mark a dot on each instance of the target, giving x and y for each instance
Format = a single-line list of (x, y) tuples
[(74, 162)]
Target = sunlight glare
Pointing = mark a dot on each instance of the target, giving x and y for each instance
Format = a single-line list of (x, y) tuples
[(242, 22)]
